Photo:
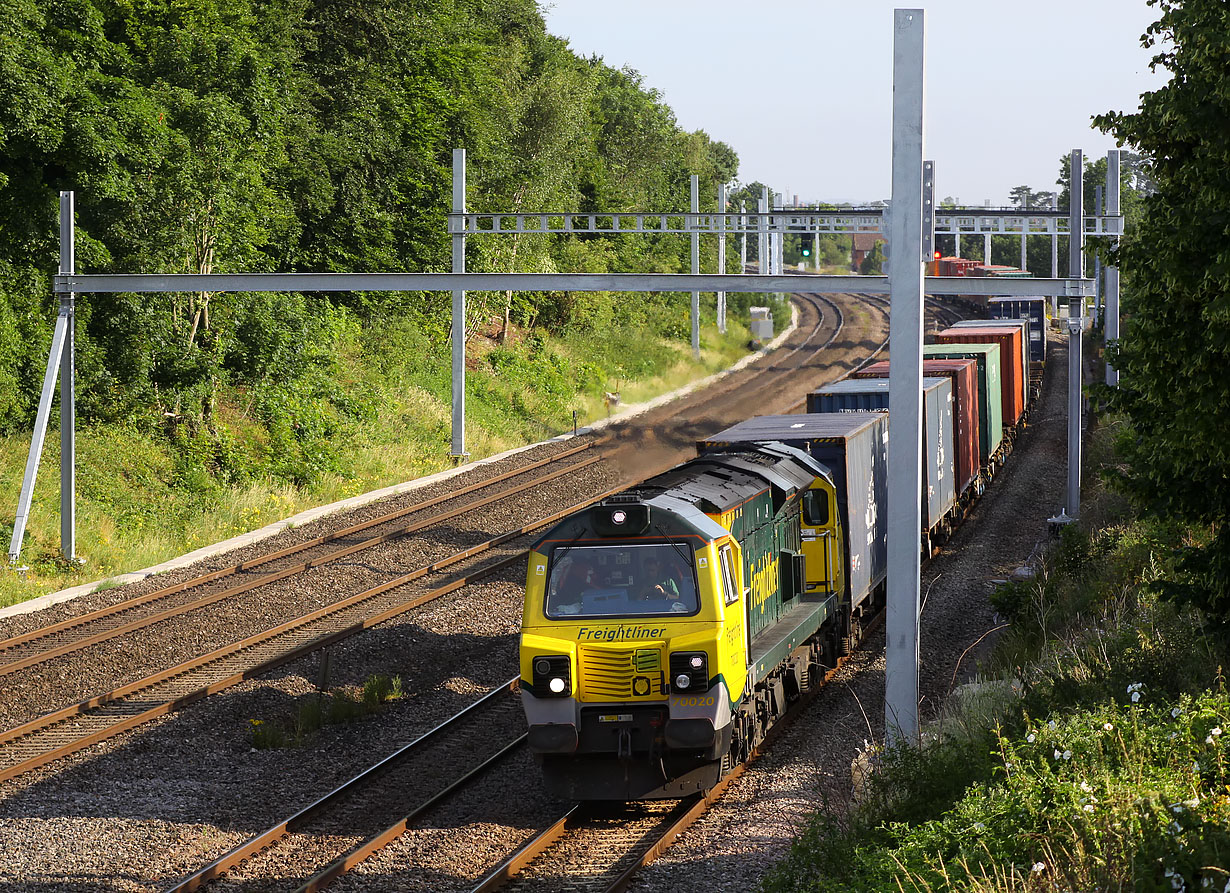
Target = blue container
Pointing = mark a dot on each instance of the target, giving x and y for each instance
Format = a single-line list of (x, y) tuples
[(1033, 309)]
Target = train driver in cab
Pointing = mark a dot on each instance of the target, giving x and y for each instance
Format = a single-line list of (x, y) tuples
[(660, 592)]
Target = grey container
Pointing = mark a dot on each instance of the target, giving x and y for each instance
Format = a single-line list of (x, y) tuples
[(939, 453), (1027, 333), (1033, 309), (853, 446)]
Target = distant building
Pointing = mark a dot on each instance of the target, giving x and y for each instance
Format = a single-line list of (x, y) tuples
[(862, 245)]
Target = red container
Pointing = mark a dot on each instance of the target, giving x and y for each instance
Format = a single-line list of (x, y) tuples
[(964, 375), (955, 266), (1013, 378)]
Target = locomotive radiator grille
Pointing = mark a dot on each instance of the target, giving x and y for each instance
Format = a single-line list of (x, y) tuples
[(607, 672)]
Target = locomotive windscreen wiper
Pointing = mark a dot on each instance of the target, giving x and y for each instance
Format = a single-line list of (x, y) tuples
[(680, 549)]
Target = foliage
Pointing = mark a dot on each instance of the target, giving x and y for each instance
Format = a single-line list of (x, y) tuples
[(873, 262), (1174, 346), (315, 711), (283, 135)]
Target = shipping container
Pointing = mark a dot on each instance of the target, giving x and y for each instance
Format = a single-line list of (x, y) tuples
[(939, 484), (1025, 327), (964, 377), (990, 395), (853, 446), (1012, 365), (1020, 308), (954, 266)]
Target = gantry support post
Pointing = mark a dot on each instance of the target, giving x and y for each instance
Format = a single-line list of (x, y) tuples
[(762, 238), (59, 362), (1111, 317), (695, 183), (1076, 308), (905, 277), (742, 238), (1055, 256), (1097, 260), (459, 313), (68, 385), (721, 260)]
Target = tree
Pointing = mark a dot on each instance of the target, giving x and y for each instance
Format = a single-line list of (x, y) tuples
[(873, 263), (1174, 348)]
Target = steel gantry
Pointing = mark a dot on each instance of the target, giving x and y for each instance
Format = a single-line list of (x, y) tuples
[(905, 284)]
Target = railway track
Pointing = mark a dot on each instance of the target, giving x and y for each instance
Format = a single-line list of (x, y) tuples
[(81, 725), (598, 849), (56, 640), (326, 839)]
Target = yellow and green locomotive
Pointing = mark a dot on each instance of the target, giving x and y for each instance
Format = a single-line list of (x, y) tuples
[(666, 628)]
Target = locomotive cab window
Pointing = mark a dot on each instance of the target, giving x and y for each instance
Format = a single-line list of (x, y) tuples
[(728, 575), (816, 508), (621, 581)]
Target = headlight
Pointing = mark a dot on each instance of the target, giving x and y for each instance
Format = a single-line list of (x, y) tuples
[(552, 676), (690, 670)]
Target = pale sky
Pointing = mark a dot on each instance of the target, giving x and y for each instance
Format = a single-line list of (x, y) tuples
[(802, 89)]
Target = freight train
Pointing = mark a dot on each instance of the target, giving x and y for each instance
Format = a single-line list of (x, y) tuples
[(666, 629)]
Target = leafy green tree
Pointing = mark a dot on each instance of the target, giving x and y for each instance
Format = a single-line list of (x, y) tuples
[(873, 262), (1175, 343)]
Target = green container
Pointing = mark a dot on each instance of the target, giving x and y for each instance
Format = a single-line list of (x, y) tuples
[(990, 394)]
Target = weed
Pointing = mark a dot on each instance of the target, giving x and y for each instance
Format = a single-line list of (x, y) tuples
[(317, 710)]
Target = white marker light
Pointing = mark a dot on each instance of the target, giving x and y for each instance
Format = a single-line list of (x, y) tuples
[(619, 517), (697, 661), (557, 685)]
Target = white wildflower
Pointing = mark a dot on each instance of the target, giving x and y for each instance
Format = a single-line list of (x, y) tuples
[(1208, 739), (1107, 727), (1088, 808), (978, 826), (1058, 754), (1051, 725), (1135, 697), (1067, 754), (1176, 712), (1086, 787), (1216, 731), (1176, 809), (1031, 737), (1192, 803), (1040, 867)]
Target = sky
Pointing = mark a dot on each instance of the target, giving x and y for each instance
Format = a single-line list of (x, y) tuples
[(802, 89)]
